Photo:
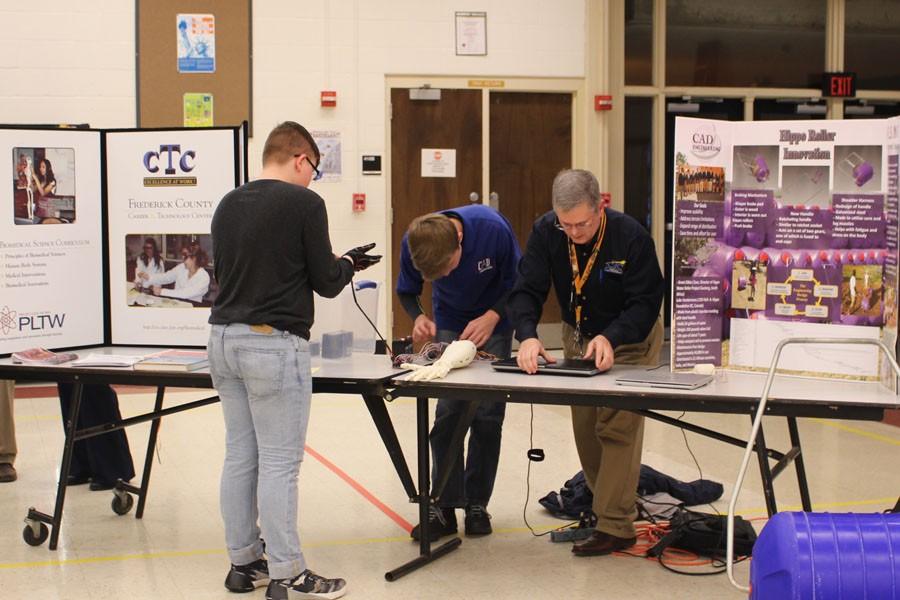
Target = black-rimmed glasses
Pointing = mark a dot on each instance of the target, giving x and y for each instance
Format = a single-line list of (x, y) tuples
[(315, 168)]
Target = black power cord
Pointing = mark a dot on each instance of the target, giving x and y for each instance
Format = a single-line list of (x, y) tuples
[(535, 455), (696, 462), (387, 346)]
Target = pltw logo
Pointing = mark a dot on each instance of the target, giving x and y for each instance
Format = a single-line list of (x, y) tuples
[(169, 157), (11, 321)]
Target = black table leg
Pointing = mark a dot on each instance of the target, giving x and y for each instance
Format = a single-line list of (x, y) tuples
[(35, 518), (141, 492), (765, 472), (388, 434), (798, 464), (426, 554)]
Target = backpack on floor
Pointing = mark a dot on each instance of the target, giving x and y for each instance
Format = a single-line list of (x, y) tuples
[(705, 534)]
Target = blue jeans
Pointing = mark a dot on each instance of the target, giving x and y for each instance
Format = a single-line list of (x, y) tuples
[(475, 485), (265, 385)]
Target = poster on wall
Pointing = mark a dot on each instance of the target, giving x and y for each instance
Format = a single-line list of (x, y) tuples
[(329, 143), (783, 229), (196, 43), (163, 191), (198, 110), (51, 251)]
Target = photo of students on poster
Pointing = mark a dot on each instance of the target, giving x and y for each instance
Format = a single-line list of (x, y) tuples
[(43, 186), (169, 270)]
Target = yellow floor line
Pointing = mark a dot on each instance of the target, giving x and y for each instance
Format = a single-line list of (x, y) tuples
[(541, 528), (872, 436), (183, 553), (102, 559)]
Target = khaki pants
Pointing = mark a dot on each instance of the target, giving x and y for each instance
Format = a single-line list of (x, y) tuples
[(609, 442), (7, 425)]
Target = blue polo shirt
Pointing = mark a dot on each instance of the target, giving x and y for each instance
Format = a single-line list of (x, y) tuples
[(482, 280)]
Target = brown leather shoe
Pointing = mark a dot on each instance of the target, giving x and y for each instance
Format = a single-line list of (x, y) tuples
[(7, 473), (601, 543)]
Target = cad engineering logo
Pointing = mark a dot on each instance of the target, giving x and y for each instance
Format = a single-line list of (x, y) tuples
[(705, 142), (12, 323), (175, 164)]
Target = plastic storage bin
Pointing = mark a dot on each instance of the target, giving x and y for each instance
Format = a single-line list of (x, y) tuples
[(827, 556), (340, 315)]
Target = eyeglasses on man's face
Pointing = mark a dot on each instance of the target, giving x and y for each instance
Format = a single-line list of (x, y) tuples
[(315, 168), (574, 227)]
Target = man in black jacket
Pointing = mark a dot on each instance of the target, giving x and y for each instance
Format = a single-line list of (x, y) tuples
[(603, 267)]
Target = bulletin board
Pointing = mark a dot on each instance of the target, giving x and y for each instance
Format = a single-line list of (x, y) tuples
[(219, 67)]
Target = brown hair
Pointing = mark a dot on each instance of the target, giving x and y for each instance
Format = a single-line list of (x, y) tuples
[(199, 255), (432, 240), (286, 140)]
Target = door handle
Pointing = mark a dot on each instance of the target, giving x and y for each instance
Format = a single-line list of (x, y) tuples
[(494, 198), (474, 197)]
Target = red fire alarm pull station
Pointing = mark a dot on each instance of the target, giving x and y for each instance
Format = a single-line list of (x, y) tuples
[(605, 198), (359, 202), (329, 98), (602, 103)]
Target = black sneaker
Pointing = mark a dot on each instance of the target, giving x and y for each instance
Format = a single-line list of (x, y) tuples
[(441, 522), (478, 520), (306, 585), (246, 578)]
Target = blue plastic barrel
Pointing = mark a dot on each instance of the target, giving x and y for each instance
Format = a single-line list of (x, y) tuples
[(827, 556)]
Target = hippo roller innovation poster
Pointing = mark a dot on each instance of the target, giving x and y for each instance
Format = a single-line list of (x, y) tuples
[(784, 229)]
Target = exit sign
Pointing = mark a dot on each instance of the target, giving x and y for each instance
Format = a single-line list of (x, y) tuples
[(839, 85)]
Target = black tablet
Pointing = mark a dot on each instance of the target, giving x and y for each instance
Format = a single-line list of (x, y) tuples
[(562, 366)]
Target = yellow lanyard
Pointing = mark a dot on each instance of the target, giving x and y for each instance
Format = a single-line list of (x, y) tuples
[(578, 278)]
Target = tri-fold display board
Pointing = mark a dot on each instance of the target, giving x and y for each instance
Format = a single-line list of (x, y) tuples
[(105, 234), (784, 229)]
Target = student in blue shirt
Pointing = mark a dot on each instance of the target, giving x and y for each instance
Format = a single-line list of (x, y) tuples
[(470, 254)]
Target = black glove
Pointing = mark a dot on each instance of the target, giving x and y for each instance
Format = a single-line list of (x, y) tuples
[(360, 259)]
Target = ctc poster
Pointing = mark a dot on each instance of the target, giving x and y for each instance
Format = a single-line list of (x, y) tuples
[(164, 186), (783, 229)]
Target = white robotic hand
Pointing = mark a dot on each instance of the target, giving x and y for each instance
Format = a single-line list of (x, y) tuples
[(458, 354)]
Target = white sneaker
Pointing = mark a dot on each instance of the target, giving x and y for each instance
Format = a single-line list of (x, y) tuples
[(306, 585)]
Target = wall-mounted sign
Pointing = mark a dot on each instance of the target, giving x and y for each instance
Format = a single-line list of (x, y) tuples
[(196, 43), (471, 34), (839, 85), (438, 162), (487, 83)]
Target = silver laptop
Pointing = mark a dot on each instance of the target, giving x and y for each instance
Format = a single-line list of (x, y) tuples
[(579, 368), (664, 379)]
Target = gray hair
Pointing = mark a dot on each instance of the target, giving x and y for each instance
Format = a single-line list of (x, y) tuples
[(572, 187)]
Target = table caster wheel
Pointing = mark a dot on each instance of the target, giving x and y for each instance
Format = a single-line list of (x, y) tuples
[(35, 533), (121, 504)]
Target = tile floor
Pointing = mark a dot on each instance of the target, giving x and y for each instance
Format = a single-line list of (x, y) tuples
[(176, 550)]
